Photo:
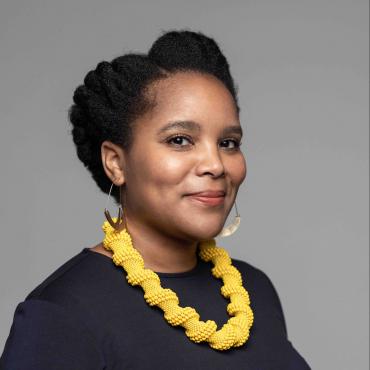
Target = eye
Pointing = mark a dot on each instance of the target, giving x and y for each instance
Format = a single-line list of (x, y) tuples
[(177, 139), (237, 143)]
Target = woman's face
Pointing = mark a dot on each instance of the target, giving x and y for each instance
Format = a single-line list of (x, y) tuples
[(168, 161)]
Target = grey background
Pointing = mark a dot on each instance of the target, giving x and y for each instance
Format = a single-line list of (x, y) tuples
[(302, 71)]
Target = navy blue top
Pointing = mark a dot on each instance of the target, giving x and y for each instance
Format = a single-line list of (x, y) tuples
[(86, 316)]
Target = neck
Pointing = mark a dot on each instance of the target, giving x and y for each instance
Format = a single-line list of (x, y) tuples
[(160, 252)]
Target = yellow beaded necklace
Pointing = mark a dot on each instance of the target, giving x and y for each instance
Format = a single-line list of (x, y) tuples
[(232, 334)]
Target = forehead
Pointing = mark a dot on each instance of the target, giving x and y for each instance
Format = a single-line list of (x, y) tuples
[(190, 96)]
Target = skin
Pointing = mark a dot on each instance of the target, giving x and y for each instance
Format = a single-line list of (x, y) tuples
[(166, 225)]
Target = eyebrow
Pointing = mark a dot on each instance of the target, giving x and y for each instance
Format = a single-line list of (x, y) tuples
[(194, 126)]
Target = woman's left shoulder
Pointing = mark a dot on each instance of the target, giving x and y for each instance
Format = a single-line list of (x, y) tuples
[(256, 278), (262, 291), (252, 273), (265, 302)]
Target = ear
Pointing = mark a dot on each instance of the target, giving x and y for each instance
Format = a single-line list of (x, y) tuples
[(113, 159)]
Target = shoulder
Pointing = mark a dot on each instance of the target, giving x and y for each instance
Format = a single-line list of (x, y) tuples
[(77, 281), (262, 291), (253, 274), (43, 332), (64, 312), (73, 296), (256, 279)]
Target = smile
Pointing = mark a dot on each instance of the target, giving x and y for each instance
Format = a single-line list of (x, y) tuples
[(214, 201)]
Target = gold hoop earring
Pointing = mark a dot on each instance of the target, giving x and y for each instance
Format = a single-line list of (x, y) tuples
[(119, 223), (229, 230)]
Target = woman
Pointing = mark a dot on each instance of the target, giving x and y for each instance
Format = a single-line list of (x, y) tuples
[(160, 133)]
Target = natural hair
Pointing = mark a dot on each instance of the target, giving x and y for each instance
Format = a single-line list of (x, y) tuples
[(115, 94)]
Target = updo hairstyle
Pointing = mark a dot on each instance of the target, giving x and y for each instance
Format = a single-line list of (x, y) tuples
[(115, 93)]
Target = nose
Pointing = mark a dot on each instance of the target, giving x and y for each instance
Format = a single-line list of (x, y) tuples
[(210, 161)]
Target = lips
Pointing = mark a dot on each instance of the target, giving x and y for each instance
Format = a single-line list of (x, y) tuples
[(209, 194), (209, 197)]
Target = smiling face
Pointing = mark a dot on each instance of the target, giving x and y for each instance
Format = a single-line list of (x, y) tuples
[(188, 143)]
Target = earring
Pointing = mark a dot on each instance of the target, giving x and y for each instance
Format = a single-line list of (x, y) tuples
[(227, 231), (119, 224)]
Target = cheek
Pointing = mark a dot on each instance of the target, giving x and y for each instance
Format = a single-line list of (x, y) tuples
[(160, 172), (238, 170), (171, 169)]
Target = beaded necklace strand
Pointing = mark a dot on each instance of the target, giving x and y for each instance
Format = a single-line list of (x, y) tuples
[(232, 334)]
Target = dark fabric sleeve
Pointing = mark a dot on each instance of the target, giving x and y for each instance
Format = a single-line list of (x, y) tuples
[(296, 361), (44, 336), (276, 300)]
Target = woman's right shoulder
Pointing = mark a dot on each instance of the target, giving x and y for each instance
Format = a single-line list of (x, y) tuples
[(57, 314), (43, 332), (78, 276)]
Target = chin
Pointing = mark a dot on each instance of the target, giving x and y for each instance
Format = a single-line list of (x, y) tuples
[(211, 234), (203, 230)]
